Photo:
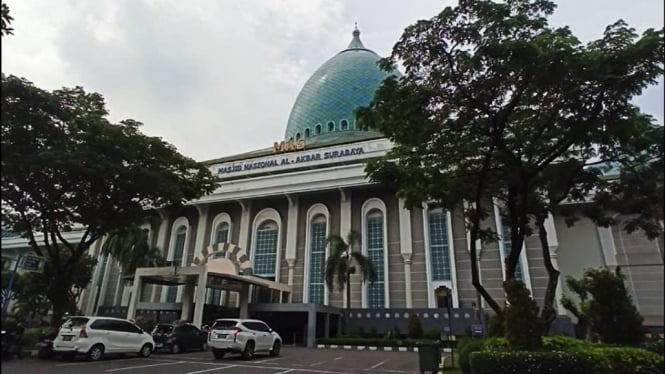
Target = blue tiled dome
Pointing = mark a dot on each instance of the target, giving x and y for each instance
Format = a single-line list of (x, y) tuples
[(323, 111)]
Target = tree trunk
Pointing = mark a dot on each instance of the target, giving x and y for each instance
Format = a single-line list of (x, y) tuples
[(548, 313), (348, 302), (60, 297)]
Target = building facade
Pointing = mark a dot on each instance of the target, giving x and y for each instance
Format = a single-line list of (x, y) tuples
[(282, 202)]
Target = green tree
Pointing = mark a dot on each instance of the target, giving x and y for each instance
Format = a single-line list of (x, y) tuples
[(522, 325), (65, 166), (606, 309), (5, 21), (344, 261), (493, 99), (130, 247), (415, 329)]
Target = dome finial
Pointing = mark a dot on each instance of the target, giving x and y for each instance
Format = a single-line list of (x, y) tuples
[(355, 42)]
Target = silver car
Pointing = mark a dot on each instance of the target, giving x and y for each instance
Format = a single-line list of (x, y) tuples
[(244, 336)]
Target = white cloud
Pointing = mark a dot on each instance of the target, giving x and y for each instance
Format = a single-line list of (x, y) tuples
[(216, 78)]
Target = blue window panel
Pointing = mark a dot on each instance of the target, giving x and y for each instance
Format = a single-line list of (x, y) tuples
[(213, 296), (222, 234), (439, 246), (507, 243), (375, 252), (178, 252), (102, 270), (265, 255), (317, 253)]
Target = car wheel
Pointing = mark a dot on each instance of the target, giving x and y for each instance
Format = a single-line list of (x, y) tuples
[(275, 348), (96, 352), (146, 350), (248, 353), (175, 348), (218, 354)]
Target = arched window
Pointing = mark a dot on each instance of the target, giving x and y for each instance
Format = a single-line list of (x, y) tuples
[(298, 136), (331, 126), (374, 237), (345, 125), (439, 246), (317, 130), (177, 258), (317, 259), (307, 133), (265, 250)]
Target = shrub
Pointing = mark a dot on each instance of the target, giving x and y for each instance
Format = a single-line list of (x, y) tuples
[(607, 359), (467, 346), (655, 346), (32, 335), (495, 326), (529, 362), (609, 312), (415, 329), (433, 334), (373, 342), (523, 326)]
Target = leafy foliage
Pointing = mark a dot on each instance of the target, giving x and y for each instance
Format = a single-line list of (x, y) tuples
[(414, 327), (343, 261), (5, 21), (494, 98), (606, 306), (130, 247), (64, 165), (530, 363), (523, 327)]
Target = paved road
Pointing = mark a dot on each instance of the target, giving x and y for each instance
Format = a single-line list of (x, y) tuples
[(291, 360)]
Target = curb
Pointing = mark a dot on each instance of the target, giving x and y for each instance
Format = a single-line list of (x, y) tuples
[(373, 348)]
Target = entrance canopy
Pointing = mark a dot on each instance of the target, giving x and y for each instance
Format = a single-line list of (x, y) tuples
[(221, 266)]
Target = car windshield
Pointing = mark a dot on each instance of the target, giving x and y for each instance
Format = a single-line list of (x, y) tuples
[(163, 329), (224, 325), (75, 322)]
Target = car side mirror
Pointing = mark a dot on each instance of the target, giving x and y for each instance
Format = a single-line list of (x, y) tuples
[(269, 330)]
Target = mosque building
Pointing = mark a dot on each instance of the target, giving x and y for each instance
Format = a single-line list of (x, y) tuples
[(261, 236)]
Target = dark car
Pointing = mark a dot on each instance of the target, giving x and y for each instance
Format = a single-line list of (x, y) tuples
[(178, 338)]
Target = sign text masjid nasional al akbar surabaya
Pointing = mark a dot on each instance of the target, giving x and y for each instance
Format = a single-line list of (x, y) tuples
[(289, 146)]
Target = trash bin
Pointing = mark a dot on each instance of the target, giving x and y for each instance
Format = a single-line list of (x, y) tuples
[(429, 356)]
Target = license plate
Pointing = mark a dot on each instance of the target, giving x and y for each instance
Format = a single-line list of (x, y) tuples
[(221, 336), (159, 345), (67, 337)]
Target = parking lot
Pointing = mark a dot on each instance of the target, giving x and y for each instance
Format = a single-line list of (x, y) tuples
[(291, 360)]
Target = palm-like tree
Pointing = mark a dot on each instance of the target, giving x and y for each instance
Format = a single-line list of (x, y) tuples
[(343, 262), (130, 247)]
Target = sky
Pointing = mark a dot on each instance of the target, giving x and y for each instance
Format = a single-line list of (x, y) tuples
[(219, 77)]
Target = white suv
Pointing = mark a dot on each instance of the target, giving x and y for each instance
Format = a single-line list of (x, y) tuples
[(96, 336), (244, 336)]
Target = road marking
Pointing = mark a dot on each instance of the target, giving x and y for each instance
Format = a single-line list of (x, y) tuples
[(96, 362), (318, 363), (281, 372), (146, 366), (213, 369), (338, 358), (377, 365), (268, 360)]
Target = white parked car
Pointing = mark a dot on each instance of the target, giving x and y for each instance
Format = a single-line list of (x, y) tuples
[(97, 336), (244, 336)]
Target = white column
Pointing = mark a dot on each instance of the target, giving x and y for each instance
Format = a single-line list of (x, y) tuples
[(200, 297), (553, 242), (187, 296), (243, 240), (291, 263), (118, 286), (162, 244), (136, 294), (291, 236), (406, 250), (201, 229), (344, 224), (407, 279)]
